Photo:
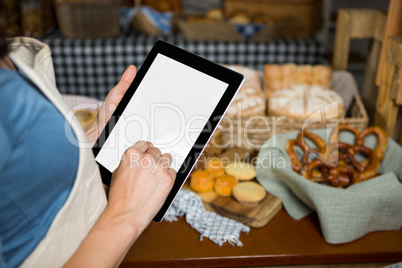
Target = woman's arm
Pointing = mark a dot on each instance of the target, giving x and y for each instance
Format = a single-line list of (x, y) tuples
[(138, 190)]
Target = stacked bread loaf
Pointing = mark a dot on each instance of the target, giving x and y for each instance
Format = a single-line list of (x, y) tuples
[(277, 77), (250, 100)]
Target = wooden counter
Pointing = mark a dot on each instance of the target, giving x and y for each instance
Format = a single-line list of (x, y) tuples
[(283, 241)]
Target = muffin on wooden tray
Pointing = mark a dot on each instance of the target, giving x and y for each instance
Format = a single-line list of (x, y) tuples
[(223, 185), (202, 181)]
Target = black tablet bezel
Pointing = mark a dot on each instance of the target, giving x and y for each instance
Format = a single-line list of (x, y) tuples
[(232, 78)]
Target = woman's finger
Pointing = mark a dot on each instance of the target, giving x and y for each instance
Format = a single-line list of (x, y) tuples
[(142, 146), (116, 94), (165, 160), (172, 173), (156, 153), (125, 81)]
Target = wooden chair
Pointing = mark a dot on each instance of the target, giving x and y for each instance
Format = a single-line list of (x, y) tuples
[(361, 24), (390, 93)]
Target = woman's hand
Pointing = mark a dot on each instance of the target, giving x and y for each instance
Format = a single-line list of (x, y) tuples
[(110, 104), (140, 184), (139, 187)]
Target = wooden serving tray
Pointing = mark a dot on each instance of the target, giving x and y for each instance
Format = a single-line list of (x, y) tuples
[(257, 215), (252, 215)]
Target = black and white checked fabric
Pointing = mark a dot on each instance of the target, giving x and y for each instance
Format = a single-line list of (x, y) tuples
[(93, 67), (217, 228)]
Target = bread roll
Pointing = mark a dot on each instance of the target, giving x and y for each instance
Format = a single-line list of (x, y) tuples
[(241, 170), (248, 192), (250, 100), (215, 14), (322, 76), (277, 77), (303, 75), (288, 74), (239, 18), (252, 77), (303, 101), (224, 185), (202, 181)]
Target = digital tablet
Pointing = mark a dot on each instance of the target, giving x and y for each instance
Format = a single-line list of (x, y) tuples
[(176, 101)]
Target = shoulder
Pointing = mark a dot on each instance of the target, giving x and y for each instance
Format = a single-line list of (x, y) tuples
[(17, 97), (12, 87), (10, 81)]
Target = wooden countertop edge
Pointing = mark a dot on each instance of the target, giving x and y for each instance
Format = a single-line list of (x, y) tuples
[(267, 260)]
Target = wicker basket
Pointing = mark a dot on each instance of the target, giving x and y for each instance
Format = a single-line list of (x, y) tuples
[(89, 20), (219, 31), (252, 133)]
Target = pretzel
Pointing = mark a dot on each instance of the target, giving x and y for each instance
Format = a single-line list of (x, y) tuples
[(340, 176), (367, 169), (294, 160), (312, 166), (382, 140), (333, 138), (343, 176), (334, 155), (337, 164), (360, 166), (378, 153), (317, 140)]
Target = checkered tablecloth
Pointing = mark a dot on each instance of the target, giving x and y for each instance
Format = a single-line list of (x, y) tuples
[(93, 67)]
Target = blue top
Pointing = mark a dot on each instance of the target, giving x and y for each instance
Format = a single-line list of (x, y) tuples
[(38, 166)]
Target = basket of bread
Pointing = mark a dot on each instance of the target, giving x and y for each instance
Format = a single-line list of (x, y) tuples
[(214, 25), (293, 97)]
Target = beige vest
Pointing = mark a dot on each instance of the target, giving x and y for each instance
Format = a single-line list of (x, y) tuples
[(87, 199)]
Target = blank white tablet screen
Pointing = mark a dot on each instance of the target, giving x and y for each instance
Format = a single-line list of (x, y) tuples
[(169, 108)]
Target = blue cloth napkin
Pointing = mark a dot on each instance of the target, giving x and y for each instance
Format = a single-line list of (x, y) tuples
[(247, 31), (217, 228)]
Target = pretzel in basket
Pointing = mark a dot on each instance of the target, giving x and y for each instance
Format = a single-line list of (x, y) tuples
[(339, 176), (378, 153), (297, 164), (317, 140), (333, 138), (336, 163), (294, 159)]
